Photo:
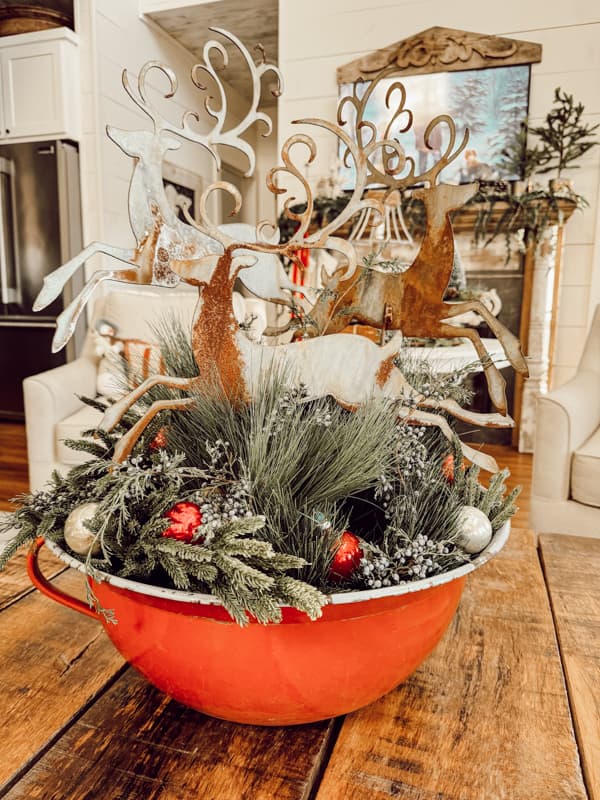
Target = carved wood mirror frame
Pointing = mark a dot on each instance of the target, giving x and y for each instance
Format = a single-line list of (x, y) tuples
[(442, 50)]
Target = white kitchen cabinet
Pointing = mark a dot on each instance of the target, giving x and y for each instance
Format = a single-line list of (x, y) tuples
[(39, 79)]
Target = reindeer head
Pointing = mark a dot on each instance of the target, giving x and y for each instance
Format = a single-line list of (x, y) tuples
[(142, 144)]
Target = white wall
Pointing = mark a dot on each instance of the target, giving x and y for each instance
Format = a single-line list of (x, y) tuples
[(317, 37)]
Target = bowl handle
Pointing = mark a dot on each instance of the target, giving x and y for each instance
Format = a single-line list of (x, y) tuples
[(45, 587)]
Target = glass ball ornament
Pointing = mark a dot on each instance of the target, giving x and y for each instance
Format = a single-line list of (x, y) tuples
[(185, 518), (475, 529), (347, 556), (77, 536)]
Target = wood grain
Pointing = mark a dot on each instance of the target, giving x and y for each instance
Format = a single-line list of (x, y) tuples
[(138, 744), (53, 662), (572, 567), (441, 50), (14, 582), (14, 477), (485, 718)]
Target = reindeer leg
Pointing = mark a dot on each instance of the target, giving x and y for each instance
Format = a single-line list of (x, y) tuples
[(483, 460), (274, 331), (474, 417), (114, 414), (509, 342), (127, 442), (67, 319), (309, 294), (495, 382), (56, 280)]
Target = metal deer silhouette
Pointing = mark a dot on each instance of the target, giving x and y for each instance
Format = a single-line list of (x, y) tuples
[(349, 369), (162, 238), (412, 301)]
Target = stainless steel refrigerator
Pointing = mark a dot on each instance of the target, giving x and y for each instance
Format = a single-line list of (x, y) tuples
[(40, 229)]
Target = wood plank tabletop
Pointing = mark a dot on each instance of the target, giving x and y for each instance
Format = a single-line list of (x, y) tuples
[(572, 568), (137, 743), (14, 582), (486, 717)]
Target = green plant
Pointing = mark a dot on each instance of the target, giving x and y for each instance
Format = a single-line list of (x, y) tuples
[(519, 159), (564, 138)]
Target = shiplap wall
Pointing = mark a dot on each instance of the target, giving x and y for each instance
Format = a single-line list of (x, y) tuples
[(317, 37), (113, 36)]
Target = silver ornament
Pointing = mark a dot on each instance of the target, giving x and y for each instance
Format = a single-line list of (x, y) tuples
[(77, 536), (475, 529)]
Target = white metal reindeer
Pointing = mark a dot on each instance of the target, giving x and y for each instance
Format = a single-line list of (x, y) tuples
[(162, 238), (350, 369)]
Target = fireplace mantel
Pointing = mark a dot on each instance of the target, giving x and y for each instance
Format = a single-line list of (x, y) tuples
[(541, 283), (556, 213)]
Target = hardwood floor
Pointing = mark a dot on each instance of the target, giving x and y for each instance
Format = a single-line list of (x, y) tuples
[(13, 468), (14, 478)]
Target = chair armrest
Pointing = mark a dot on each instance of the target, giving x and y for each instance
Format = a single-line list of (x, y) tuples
[(50, 397), (565, 418)]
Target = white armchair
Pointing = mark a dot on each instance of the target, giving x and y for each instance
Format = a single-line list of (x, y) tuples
[(565, 492), (53, 411)]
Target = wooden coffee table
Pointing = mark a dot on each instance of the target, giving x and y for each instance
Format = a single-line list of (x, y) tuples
[(508, 706)]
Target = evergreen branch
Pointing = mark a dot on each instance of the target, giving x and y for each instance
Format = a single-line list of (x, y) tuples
[(175, 570), (185, 552), (300, 595), (86, 446)]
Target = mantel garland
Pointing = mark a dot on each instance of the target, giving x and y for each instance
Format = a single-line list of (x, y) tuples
[(530, 213)]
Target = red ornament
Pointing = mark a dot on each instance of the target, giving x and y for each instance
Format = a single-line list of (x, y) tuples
[(348, 554), (185, 519), (159, 441), (448, 468)]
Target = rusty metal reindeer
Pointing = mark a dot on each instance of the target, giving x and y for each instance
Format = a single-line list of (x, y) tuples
[(320, 364), (162, 238), (412, 301), (349, 369)]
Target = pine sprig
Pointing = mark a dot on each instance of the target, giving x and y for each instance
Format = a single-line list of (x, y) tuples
[(564, 138)]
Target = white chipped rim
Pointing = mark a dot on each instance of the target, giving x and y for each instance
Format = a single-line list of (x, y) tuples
[(498, 541)]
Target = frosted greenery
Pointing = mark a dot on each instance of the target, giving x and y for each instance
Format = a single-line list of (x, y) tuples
[(277, 481)]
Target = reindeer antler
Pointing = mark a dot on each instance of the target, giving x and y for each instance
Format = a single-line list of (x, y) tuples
[(217, 135), (232, 138), (205, 225), (362, 127), (290, 168), (360, 154), (141, 99), (450, 154), (393, 164)]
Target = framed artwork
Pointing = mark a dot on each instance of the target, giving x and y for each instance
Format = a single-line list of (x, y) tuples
[(480, 81), (491, 103), (183, 189)]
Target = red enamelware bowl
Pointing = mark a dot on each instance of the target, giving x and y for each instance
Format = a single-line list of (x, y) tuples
[(297, 671)]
